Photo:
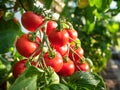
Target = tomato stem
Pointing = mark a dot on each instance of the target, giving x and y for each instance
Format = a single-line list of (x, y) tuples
[(75, 52), (63, 81), (70, 25), (22, 5), (61, 25)]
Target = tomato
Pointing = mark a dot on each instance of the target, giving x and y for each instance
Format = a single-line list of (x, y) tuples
[(72, 34), (51, 25), (55, 62), (31, 21), (58, 38), (76, 54), (82, 66), (63, 50), (67, 69), (20, 67), (15, 20), (83, 3), (26, 47)]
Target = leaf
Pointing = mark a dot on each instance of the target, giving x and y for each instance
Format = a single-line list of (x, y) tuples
[(8, 15), (92, 2), (8, 32), (98, 3), (89, 15), (58, 87), (48, 3), (87, 80), (5, 68), (27, 80)]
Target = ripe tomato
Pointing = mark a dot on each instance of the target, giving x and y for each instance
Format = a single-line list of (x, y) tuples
[(20, 67), (58, 38), (82, 66), (72, 34), (51, 25), (63, 50), (67, 69), (79, 53), (55, 62), (31, 21), (26, 47), (15, 20)]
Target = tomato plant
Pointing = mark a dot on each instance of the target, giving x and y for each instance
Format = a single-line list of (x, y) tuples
[(82, 66), (54, 60), (68, 68), (31, 21), (27, 47), (63, 50), (76, 54), (51, 25), (59, 38), (20, 67), (75, 35)]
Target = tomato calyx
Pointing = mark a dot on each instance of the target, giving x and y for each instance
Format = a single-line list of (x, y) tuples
[(65, 59), (75, 44), (61, 25), (84, 64), (31, 37), (82, 60), (51, 54)]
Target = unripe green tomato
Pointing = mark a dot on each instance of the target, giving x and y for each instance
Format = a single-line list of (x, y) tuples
[(82, 3)]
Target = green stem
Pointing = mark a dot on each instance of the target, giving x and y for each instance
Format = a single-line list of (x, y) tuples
[(63, 81)]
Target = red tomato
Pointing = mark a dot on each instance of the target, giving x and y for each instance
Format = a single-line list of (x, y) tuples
[(63, 50), (26, 47), (55, 62), (72, 34), (20, 67), (82, 66), (15, 20), (67, 69), (79, 53), (58, 38), (51, 25), (31, 21)]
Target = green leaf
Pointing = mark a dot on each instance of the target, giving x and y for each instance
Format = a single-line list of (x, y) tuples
[(5, 68), (92, 2), (98, 3), (87, 80), (89, 15), (8, 15), (48, 3), (27, 80), (58, 87), (8, 32)]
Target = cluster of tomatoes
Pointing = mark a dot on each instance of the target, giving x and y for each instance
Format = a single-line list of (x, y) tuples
[(64, 54)]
